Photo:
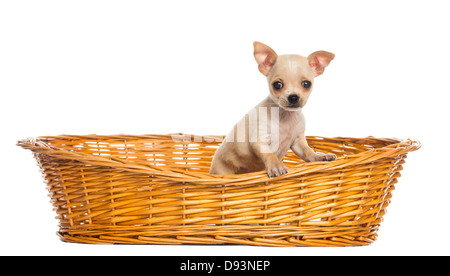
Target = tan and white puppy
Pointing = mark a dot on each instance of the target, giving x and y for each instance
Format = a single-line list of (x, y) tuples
[(261, 139)]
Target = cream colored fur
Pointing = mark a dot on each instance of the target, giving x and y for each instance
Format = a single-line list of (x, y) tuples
[(263, 136)]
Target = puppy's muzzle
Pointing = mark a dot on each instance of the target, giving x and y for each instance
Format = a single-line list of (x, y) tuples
[(293, 99)]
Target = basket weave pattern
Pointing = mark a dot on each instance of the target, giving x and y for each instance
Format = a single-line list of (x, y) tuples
[(155, 189)]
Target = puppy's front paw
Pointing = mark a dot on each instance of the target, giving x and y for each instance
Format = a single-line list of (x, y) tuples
[(277, 170), (325, 157)]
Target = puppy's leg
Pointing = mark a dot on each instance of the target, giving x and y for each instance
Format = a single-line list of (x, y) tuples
[(302, 150), (220, 167), (273, 166)]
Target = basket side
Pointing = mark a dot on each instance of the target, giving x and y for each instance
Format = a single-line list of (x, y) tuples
[(187, 158), (342, 205), (344, 208), (86, 195), (55, 172)]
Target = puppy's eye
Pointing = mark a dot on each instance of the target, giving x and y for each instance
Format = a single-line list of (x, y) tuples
[(306, 84), (277, 85)]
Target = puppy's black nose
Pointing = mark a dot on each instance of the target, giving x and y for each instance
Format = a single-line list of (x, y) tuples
[(293, 99)]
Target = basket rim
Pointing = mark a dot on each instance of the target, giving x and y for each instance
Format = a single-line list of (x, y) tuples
[(40, 145)]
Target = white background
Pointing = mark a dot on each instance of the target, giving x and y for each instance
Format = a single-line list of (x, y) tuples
[(142, 67)]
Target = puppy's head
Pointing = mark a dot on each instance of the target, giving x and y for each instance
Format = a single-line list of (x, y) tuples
[(290, 77)]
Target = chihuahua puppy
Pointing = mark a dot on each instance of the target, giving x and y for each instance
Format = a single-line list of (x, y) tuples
[(262, 137)]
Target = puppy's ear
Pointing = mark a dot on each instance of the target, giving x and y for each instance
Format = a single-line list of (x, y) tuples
[(319, 60), (264, 56)]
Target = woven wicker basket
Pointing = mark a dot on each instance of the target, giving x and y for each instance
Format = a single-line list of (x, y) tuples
[(155, 189)]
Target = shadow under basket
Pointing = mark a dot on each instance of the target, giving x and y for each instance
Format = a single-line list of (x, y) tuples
[(156, 189)]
